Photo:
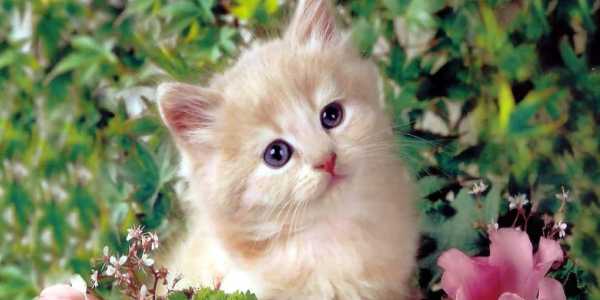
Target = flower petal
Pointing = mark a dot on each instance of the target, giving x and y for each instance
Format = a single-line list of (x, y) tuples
[(467, 278), (110, 271), (512, 254), (147, 260), (79, 284), (551, 289), (549, 251), (61, 291), (510, 296)]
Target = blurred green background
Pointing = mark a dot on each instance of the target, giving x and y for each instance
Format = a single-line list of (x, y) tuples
[(505, 91)]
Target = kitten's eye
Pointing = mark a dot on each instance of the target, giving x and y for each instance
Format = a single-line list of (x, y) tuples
[(332, 115), (278, 153)]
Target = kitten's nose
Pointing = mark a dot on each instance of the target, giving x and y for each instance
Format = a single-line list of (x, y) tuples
[(329, 164)]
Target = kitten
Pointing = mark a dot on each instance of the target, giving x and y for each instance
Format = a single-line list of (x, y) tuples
[(295, 190)]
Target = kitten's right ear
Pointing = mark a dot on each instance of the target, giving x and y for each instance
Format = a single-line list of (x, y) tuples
[(188, 111), (313, 19)]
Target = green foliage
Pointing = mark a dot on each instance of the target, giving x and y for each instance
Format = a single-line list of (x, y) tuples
[(208, 294), (508, 91), (464, 229)]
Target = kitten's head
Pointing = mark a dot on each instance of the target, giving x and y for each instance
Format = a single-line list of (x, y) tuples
[(296, 120)]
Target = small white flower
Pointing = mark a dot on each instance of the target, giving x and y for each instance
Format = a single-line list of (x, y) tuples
[(46, 237), (105, 251), (8, 215), (493, 226), (517, 201), (79, 284), (22, 27), (561, 227), (563, 195), (147, 260), (115, 265), (134, 233), (94, 279), (19, 170), (73, 219), (110, 270), (153, 240), (450, 196), (58, 193), (143, 292), (83, 174), (478, 188), (45, 186), (47, 257)]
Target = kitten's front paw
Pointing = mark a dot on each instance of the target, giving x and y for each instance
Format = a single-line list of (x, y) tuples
[(238, 281)]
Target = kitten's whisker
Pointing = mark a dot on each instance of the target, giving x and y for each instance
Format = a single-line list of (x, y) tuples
[(298, 222), (295, 218), (290, 224), (278, 208)]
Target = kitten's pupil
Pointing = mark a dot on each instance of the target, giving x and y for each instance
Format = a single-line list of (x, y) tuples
[(278, 153), (332, 115)]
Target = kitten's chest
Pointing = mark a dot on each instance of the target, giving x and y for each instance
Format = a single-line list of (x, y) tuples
[(334, 246)]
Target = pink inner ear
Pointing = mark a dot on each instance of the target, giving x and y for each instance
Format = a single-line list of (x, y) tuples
[(189, 115), (313, 18), (326, 24)]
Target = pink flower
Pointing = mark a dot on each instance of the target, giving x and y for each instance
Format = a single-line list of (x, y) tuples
[(511, 272), (63, 292), (76, 291)]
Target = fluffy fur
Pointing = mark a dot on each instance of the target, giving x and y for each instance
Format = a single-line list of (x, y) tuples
[(288, 233)]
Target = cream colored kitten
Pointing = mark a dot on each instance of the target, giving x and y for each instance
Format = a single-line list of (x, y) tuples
[(295, 190)]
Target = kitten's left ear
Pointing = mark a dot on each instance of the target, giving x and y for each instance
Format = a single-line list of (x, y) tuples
[(313, 20), (188, 111)]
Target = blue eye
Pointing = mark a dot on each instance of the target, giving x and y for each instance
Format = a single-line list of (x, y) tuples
[(332, 115), (278, 153)]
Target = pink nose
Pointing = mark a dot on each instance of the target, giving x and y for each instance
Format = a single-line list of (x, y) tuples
[(329, 164)]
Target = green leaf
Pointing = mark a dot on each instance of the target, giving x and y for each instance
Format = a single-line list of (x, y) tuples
[(208, 294), (15, 283), (7, 58), (178, 296), (364, 36), (491, 205), (420, 13), (178, 9), (86, 43), (457, 231), (22, 203), (71, 62), (143, 126), (397, 7), (575, 64), (431, 184), (142, 170)]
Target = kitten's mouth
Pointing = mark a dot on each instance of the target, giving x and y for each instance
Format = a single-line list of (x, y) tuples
[(335, 180)]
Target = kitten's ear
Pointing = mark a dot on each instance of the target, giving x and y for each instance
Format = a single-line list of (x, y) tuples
[(188, 111), (313, 20)]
